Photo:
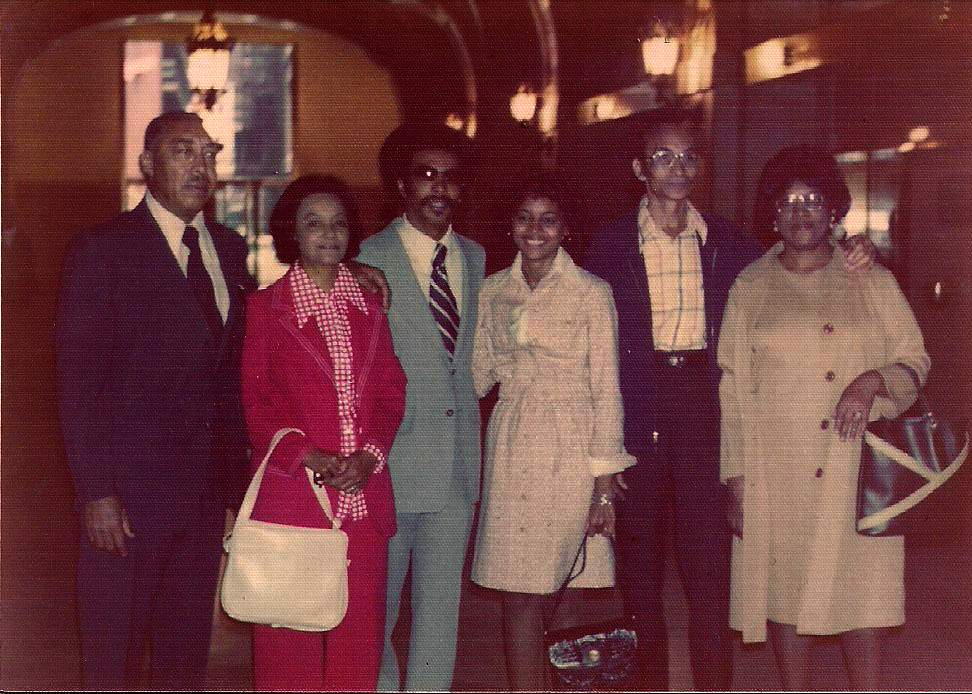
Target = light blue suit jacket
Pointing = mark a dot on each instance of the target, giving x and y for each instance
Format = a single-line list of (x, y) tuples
[(435, 460)]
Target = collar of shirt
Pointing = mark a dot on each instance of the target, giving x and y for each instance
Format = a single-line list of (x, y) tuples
[(173, 228), (562, 263), (422, 245), (310, 300), (648, 228)]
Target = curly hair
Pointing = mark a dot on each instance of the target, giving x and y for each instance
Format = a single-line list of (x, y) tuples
[(283, 219), (809, 165), (410, 138)]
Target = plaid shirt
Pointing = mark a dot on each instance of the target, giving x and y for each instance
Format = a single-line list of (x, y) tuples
[(330, 310), (674, 269)]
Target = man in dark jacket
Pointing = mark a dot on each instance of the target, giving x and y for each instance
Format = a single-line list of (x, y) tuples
[(148, 341)]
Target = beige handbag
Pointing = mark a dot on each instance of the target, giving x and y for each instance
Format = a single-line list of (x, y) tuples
[(285, 575)]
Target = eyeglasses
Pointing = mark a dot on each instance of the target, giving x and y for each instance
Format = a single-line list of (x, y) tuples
[(428, 174), (666, 159), (811, 202)]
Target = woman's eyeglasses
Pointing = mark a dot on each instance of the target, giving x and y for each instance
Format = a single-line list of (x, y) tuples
[(811, 202)]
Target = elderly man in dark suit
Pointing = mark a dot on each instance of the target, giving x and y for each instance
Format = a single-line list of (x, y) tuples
[(148, 343)]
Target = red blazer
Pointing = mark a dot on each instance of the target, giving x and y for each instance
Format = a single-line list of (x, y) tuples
[(288, 381)]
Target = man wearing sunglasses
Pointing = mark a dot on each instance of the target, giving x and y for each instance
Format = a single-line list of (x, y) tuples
[(434, 275), (671, 268)]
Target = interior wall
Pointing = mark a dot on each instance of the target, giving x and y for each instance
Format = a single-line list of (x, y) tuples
[(63, 173)]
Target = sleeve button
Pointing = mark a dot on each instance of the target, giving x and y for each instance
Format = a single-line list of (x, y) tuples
[(828, 328), (819, 473), (830, 375), (824, 424), (449, 413)]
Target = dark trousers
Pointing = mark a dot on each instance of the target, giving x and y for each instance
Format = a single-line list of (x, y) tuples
[(678, 484), (159, 596)]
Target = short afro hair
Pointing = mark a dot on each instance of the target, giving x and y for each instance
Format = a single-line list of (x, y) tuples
[(535, 185), (283, 219), (410, 138), (648, 123), (809, 165), (160, 125)]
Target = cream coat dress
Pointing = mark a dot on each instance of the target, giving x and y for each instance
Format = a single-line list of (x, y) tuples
[(557, 425), (790, 345)]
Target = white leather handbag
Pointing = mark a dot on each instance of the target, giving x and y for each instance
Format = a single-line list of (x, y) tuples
[(285, 575)]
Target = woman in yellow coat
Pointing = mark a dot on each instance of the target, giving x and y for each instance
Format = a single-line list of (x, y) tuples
[(547, 333), (810, 354)]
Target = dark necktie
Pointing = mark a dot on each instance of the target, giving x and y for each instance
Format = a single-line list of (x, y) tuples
[(200, 283), (443, 302)]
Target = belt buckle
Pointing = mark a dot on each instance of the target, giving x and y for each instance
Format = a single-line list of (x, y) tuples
[(676, 360)]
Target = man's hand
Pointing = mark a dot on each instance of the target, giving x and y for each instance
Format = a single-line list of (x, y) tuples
[(107, 525), (357, 470), (371, 279), (735, 511), (859, 253)]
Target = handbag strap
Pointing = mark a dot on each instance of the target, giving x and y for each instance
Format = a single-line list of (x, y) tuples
[(582, 555), (246, 508)]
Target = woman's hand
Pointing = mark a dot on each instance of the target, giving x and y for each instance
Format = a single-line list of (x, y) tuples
[(859, 253), (355, 472), (855, 403), (371, 279), (734, 512), (600, 516), (324, 465)]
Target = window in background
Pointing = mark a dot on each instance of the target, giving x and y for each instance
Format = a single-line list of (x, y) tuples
[(252, 120), (874, 179)]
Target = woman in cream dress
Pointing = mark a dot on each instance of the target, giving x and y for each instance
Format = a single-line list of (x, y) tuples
[(547, 335), (810, 353)]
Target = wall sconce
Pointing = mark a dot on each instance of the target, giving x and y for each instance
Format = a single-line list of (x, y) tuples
[(782, 56), (207, 57), (455, 121), (659, 49), (523, 104)]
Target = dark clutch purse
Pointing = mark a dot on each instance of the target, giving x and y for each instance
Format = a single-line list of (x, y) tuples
[(904, 460), (594, 657)]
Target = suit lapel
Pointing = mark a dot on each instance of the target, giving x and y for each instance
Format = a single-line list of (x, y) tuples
[(236, 286), (402, 276), (469, 290), (638, 293), (160, 267)]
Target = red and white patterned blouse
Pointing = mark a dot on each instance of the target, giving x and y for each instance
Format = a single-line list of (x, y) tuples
[(330, 310)]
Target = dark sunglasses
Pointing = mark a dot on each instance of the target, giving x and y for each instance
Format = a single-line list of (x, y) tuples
[(428, 174)]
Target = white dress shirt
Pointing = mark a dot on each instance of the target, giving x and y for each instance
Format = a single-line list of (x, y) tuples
[(172, 229), (421, 251)]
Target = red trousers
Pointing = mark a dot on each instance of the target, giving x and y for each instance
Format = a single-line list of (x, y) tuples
[(348, 657)]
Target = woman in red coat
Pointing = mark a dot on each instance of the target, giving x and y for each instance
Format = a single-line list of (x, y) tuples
[(318, 357)]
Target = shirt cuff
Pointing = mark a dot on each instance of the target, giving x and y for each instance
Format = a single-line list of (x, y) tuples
[(377, 452), (611, 464)]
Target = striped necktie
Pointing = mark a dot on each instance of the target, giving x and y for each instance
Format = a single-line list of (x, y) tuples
[(443, 302)]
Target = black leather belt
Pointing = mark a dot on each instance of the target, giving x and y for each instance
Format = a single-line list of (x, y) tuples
[(680, 360)]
